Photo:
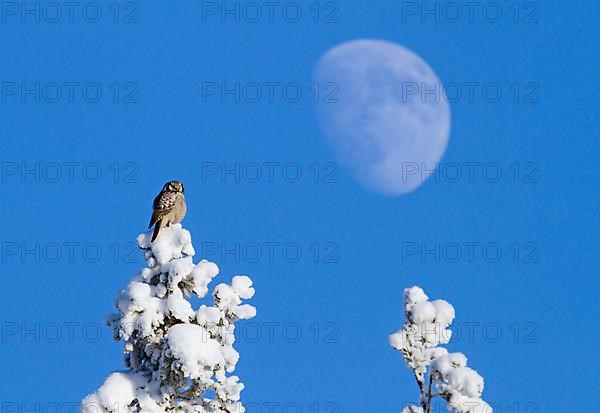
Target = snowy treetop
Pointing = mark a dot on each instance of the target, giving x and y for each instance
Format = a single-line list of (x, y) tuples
[(178, 358), (426, 326)]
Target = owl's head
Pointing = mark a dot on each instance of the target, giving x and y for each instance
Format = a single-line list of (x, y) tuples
[(174, 186)]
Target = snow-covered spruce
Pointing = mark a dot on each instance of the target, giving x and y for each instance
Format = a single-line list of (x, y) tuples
[(177, 358), (437, 372)]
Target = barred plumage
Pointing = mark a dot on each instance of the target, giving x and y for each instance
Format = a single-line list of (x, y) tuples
[(169, 207)]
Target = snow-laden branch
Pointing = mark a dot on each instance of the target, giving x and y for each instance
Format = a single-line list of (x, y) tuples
[(178, 358), (437, 372)]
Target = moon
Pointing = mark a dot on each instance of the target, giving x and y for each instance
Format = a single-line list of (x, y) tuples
[(383, 111)]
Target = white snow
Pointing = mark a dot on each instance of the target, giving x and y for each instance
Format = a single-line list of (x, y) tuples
[(444, 312), (423, 312), (412, 409), (242, 285), (465, 381), (465, 404), (203, 274), (179, 307), (175, 352), (425, 328), (414, 295), (117, 393), (192, 346), (445, 363), (174, 243)]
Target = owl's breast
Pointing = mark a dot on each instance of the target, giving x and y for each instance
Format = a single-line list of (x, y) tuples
[(180, 209)]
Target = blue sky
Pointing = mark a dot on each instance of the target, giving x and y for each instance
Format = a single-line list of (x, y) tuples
[(79, 173)]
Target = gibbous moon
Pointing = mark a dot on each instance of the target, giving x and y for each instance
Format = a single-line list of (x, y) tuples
[(378, 116)]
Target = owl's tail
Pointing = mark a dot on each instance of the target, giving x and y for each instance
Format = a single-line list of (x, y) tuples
[(157, 228)]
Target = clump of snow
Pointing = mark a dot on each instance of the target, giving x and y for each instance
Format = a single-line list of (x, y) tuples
[(444, 312), (194, 350), (426, 326), (203, 274), (174, 243), (413, 409), (242, 285), (464, 404), (119, 389), (121, 392), (414, 295), (465, 381), (178, 358), (423, 312)]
